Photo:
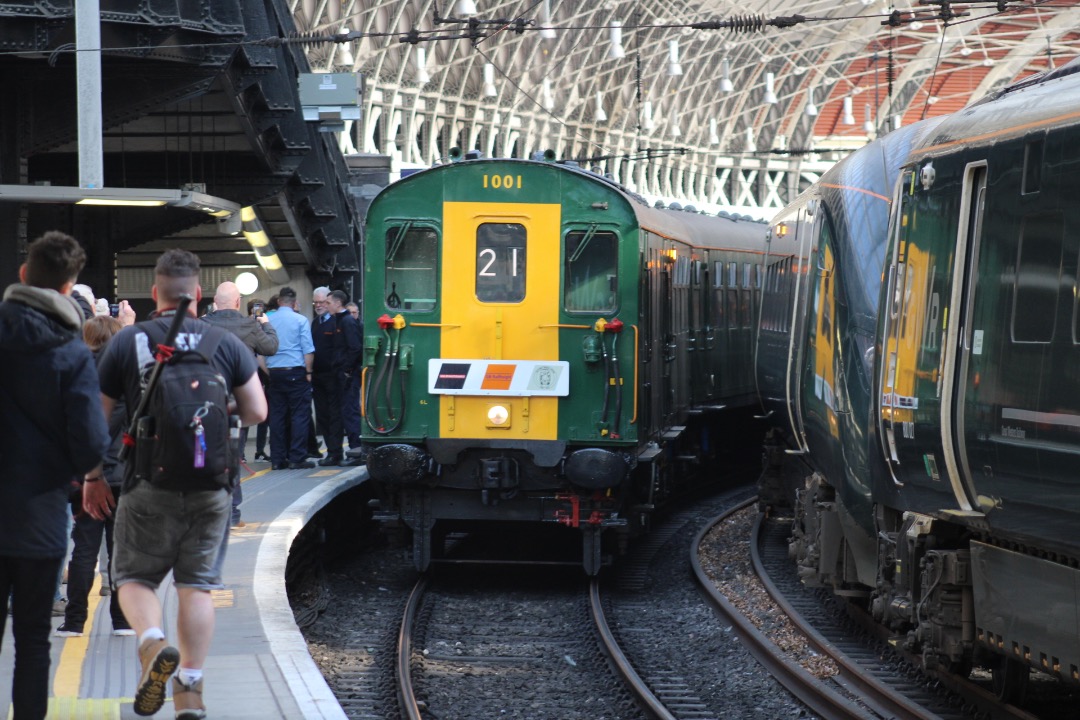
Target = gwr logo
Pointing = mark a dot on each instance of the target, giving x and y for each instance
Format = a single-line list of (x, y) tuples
[(498, 377)]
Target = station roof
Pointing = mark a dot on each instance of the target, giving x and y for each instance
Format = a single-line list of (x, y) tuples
[(865, 66)]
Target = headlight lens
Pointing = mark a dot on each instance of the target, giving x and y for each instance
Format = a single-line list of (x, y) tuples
[(498, 415)]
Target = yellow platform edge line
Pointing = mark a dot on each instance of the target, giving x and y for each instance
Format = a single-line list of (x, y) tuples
[(68, 674)]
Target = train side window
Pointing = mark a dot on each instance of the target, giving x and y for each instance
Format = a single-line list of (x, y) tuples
[(1038, 278), (718, 274), (500, 262), (1033, 162), (412, 267), (592, 259)]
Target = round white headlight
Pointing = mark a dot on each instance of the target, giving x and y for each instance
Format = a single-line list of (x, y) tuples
[(498, 415)]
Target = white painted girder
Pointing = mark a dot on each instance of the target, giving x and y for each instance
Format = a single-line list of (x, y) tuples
[(417, 124)]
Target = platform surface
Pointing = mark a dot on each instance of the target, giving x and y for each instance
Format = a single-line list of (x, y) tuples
[(259, 666)]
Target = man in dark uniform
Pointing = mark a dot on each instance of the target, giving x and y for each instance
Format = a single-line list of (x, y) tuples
[(347, 364), (325, 387)]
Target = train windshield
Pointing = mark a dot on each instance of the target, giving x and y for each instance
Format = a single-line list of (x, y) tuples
[(591, 270), (411, 267), (500, 262)]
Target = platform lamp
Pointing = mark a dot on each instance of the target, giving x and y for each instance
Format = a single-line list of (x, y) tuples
[(849, 118), (546, 31), (673, 124), (647, 122), (770, 89), (674, 68), (599, 115), (465, 8), (615, 49), (422, 75), (489, 80), (810, 109), (726, 85), (247, 283), (345, 55)]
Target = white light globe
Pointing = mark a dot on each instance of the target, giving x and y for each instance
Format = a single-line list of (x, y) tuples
[(247, 283)]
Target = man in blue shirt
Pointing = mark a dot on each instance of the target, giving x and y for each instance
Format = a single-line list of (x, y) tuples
[(290, 385)]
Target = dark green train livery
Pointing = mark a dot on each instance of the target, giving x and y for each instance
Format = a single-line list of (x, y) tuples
[(544, 347), (920, 351)]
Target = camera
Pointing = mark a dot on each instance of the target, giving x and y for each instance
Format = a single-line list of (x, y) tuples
[(114, 309)]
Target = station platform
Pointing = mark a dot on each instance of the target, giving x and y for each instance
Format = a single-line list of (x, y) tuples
[(259, 666)]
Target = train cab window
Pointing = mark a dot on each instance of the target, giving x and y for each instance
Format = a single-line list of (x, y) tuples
[(1038, 278), (412, 255), (592, 258), (500, 262)]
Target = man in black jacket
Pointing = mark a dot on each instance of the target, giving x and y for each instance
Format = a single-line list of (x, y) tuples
[(52, 430), (260, 337), (347, 365)]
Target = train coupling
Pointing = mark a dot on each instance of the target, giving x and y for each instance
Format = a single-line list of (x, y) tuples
[(498, 479), (569, 512)]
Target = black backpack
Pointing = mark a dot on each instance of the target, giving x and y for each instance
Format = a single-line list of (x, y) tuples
[(187, 440)]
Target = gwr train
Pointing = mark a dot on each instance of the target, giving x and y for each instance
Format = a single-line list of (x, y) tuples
[(919, 350), (550, 348)]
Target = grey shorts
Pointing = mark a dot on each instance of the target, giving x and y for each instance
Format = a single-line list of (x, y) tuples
[(161, 530)]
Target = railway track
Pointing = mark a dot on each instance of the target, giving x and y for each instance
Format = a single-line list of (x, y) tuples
[(667, 655), (871, 679)]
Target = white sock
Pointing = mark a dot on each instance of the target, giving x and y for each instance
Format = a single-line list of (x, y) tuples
[(189, 677), (154, 633)]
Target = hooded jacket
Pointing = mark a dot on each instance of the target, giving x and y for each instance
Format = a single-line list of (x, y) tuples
[(52, 427)]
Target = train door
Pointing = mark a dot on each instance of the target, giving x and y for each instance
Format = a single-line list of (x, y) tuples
[(795, 323), (960, 335), (1015, 425), (500, 290)]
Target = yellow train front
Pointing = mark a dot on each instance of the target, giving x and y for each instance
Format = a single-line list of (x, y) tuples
[(543, 347)]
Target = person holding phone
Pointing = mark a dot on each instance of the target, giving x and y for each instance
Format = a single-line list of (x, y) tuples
[(258, 335)]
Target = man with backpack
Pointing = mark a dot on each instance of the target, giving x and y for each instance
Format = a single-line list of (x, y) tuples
[(179, 478)]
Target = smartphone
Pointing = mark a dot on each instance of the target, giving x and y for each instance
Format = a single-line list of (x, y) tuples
[(257, 309), (114, 309)]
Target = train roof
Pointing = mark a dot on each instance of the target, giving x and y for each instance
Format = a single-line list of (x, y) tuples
[(1034, 104), (686, 224)]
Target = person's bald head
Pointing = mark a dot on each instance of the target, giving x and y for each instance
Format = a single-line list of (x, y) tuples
[(227, 296)]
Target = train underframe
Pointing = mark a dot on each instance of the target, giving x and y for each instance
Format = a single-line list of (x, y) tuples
[(948, 589), (586, 489), (607, 494)]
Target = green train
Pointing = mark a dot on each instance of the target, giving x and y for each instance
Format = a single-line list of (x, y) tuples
[(919, 351), (548, 349)]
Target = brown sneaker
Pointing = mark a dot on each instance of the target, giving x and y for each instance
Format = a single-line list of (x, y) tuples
[(159, 660), (187, 699)]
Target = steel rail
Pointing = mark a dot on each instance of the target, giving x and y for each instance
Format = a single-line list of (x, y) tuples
[(406, 697), (874, 692), (645, 697), (820, 698)]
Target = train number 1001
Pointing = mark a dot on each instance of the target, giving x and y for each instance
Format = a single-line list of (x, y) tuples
[(502, 181)]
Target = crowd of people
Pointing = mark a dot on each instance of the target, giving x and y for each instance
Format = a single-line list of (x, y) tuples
[(78, 373)]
